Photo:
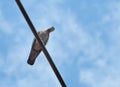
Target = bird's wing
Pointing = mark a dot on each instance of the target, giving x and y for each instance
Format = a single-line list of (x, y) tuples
[(33, 54)]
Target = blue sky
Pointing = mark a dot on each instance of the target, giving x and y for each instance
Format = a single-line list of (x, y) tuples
[(85, 45)]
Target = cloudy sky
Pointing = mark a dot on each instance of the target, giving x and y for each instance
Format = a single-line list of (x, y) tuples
[(85, 45)]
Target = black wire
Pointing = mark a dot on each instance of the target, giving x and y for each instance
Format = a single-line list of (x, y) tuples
[(40, 42)]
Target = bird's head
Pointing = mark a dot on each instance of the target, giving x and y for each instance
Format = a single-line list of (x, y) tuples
[(51, 29)]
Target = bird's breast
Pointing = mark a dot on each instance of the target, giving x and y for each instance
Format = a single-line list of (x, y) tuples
[(44, 37)]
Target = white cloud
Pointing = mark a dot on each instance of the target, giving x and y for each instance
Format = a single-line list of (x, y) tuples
[(95, 78), (67, 42), (5, 26), (103, 70)]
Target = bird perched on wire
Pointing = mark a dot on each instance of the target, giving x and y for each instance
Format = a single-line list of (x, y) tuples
[(36, 48)]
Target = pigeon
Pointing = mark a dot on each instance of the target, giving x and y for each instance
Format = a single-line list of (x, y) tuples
[(36, 48)]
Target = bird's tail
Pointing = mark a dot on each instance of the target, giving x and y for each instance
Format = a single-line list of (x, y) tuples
[(32, 57)]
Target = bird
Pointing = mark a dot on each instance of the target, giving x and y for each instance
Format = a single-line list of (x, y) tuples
[(36, 48)]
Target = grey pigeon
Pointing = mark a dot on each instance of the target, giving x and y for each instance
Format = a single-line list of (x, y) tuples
[(36, 48)]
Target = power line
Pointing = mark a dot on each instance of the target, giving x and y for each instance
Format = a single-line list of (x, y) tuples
[(40, 42)]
